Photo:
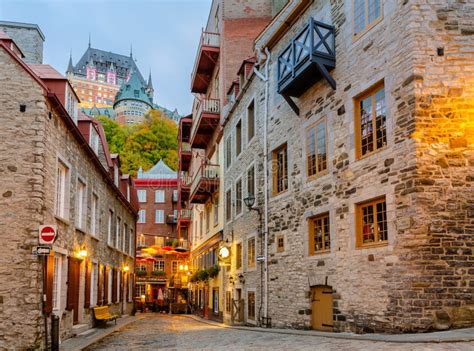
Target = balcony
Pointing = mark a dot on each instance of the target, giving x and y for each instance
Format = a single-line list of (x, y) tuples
[(206, 118), (171, 219), (205, 183), (185, 128), (206, 60), (307, 59), (184, 215), (185, 155), (184, 185)]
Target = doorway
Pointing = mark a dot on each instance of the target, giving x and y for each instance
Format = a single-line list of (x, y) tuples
[(74, 271), (237, 307), (322, 316)]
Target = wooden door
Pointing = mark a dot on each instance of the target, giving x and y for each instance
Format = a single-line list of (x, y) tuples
[(237, 307), (322, 308), (74, 271)]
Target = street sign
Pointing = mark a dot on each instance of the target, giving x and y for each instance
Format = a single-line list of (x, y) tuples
[(47, 234), (260, 258), (41, 250)]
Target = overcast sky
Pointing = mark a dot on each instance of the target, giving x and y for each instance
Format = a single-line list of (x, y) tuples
[(164, 35)]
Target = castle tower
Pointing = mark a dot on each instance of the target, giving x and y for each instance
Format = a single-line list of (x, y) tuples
[(149, 88)]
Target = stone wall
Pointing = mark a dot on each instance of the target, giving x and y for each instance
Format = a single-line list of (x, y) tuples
[(28, 37), (34, 140), (420, 279)]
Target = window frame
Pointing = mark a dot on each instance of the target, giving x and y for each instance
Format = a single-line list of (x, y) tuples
[(81, 204), (359, 222), (238, 256), (228, 205), (110, 227), (275, 153), (314, 126), (370, 92), (160, 196), (280, 249), (238, 138), (95, 214), (62, 205), (239, 197), (311, 226), (254, 181), (368, 26), (253, 129), (162, 217), (140, 198), (141, 220), (252, 261)]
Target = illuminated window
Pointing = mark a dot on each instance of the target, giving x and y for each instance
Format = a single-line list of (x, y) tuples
[(371, 222)]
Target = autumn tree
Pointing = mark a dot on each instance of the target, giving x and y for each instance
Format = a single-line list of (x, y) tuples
[(143, 144)]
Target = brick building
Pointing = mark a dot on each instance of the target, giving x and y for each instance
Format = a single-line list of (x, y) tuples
[(363, 153), (161, 253), (57, 171), (226, 40)]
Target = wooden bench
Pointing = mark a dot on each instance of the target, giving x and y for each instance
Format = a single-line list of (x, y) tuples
[(103, 314)]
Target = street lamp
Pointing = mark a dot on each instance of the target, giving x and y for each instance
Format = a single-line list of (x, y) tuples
[(249, 200)]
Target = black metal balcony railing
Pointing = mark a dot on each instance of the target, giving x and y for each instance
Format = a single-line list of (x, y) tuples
[(307, 58), (171, 219)]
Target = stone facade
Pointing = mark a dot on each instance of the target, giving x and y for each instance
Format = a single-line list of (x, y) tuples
[(34, 144), (420, 278), (28, 37)]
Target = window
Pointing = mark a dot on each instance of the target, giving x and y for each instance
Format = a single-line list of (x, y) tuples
[(215, 300), (228, 205), (238, 138), (62, 190), (319, 234), (159, 216), (228, 301), (251, 305), (132, 243), (160, 241), (110, 227), (216, 210), (141, 195), (371, 221), (251, 181), (159, 196), (119, 292), (238, 197), (125, 238), (251, 253), (208, 217), (316, 149), (80, 204), (174, 267), (201, 223), (280, 242), (159, 265), (142, 216), (141, 267), (94, 212), (370, 109), (367, 13), (94, 284), (228, 152), (118, 232), (141, 240), (238, 256), (57, 282), (280, 170), (251, 121), (140, 290)]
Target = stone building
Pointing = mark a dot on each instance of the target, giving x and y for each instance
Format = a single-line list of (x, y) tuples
[(28, 37), (226, 41), (161, 253), (57, 170), (367, 115)]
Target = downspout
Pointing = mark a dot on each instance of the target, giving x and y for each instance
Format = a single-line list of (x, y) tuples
[(265, 78)]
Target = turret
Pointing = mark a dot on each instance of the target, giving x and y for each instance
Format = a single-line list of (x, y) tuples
[(111, 74), (149, 88), (91, 69), (70, 66)]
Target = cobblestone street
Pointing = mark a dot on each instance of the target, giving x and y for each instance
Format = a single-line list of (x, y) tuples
[(156, 331)]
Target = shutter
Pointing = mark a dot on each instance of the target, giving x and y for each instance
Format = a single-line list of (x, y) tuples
[(99, 285), (121, 285), (87, 287), (127, 290), (48, 282), (114, 285), (70, 285), (106, 285)]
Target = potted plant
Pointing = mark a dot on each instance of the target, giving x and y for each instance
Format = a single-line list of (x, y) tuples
[(213, 271), (140, 273), (203, 275), (159, 273)]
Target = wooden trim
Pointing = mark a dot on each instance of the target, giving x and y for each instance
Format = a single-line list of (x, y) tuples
[(48, 283), (278, 247), (359, 223), (371, 91), (368, 27), (311, 227), (87, 285), (274, 169)]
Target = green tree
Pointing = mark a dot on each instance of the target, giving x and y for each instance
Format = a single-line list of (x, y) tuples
[(144, 144)]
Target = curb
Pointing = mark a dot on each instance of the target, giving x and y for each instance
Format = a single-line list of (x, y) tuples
[(95, 338), (420, 338)]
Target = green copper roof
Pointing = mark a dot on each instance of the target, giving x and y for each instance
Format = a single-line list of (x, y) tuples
[(133, 90)]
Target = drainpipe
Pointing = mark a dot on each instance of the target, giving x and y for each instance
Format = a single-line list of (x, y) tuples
[(265, 78)]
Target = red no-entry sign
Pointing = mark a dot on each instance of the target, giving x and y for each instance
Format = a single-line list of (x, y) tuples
[(47, 234)]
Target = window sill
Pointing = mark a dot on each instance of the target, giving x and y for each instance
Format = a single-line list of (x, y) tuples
[(80, 230), (371, 246), (319, 253), (62, 220)]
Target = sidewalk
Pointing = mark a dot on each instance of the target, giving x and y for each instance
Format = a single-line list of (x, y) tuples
[(93, 335), (455, 335)]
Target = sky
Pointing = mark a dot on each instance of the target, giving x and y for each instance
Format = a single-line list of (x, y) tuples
[(164, 35)]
